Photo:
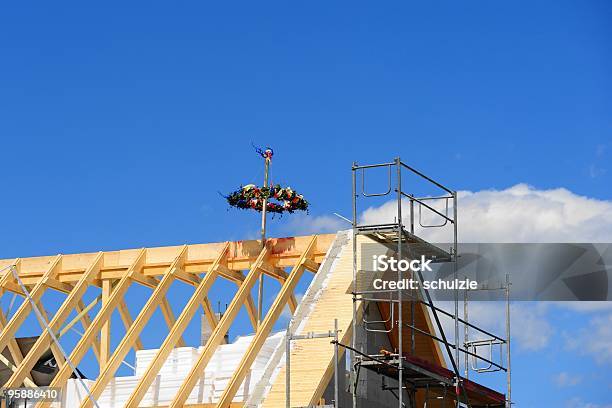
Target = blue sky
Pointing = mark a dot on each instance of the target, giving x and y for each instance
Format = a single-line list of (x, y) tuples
[(120, 123)]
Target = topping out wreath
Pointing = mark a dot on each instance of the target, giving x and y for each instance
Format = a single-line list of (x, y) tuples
[(252, 197)]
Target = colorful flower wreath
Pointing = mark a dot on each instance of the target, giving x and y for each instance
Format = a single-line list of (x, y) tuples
[(252, 197)]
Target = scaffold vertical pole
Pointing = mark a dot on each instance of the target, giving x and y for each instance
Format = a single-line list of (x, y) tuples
[(336, 396), (466, 334), (354, 332), (455, 277), (412, 311), (400, 231), (508, 364)]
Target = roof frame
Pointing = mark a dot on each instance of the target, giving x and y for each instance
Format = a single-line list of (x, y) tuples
[(199, 265)]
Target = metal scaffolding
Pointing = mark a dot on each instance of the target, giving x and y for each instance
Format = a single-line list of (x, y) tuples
[(412, 373)]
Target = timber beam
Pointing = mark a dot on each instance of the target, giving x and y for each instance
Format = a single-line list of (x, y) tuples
[(112, 273), (284, 252)]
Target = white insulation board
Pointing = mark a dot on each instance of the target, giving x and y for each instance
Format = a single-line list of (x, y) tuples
[(220, 369)]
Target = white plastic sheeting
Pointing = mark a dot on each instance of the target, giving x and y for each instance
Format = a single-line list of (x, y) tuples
[(210, 387)]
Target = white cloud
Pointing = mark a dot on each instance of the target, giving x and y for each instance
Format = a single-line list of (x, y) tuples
[(517, 214), (564, 379), (530, 328), (520, 213), (595, 340), (308, 224)]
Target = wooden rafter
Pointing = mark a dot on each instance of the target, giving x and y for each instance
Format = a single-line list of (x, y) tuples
[(156, 268), (281, 276), (170, 319), (177, 329), (229, 274), (90, 334), (108, 371), (8, 333), (86, 322), (126, 318), (264, 329), (217, 335), (57, 354), (7, 282), (83, 317), (249, 303), (57, 285), (15, 353), (27, 381), (209, 313), (44, 341), (8, 274), (13, 347)]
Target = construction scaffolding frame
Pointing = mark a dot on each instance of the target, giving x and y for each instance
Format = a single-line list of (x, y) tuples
[(399, 364), (289, 337)]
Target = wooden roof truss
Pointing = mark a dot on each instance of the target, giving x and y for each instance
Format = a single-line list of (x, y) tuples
[(114, 272)]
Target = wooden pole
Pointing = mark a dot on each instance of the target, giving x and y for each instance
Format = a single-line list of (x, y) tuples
[(267, 158), (105, 333)]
